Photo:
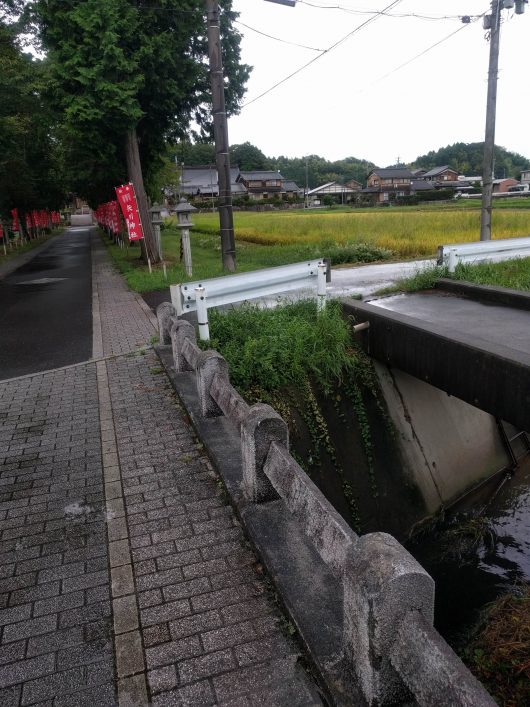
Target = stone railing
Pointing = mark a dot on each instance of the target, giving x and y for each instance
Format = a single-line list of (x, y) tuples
[(390, 650)]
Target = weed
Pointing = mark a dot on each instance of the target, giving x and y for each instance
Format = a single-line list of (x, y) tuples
[(500, 654), (466, 536), (154, 340), (156, 370), (423, 279), (514, 274)]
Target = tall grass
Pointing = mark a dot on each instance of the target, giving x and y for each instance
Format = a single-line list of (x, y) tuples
[(514, 274), (407, 233), (342, 235), (272, 348)]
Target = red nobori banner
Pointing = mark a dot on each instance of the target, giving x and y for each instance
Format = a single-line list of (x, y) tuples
[(108, 215), (129, 208), (16, 224)]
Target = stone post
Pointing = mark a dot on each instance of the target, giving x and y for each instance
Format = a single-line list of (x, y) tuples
[(179, 332), (209, 364), (383, 583), (259, 428), (165, 313)]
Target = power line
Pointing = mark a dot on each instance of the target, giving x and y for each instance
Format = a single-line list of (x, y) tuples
[(323, 53), (384, 12), (277, 39), (418, 56)]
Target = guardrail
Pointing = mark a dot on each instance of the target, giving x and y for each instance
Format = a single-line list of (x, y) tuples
[(388, 643), (199, 296), (502, 249)]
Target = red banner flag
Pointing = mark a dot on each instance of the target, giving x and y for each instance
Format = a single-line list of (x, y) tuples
[(129, 208), (16, 223)]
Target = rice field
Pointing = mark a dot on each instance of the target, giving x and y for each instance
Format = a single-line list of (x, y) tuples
[(406, 232)]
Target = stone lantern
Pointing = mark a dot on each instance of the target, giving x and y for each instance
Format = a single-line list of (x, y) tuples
[(183, 211), (156, 219)]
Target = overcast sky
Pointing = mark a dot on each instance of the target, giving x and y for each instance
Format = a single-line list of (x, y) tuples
[(345, 103)]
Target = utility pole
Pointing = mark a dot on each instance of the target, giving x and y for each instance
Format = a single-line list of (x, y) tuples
[(494, 21), (222, 155), (306, 201), (491, 110)]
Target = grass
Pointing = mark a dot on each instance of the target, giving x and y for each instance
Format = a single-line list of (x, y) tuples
[(513, 274), (500, 654), (268, 239), (206, 253), (407, 232), (270, 349), (13, 251)]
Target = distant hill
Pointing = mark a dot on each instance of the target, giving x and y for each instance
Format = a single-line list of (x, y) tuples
[(466, 158)]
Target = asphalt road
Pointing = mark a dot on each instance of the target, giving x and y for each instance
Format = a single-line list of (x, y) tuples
[(46, 308)]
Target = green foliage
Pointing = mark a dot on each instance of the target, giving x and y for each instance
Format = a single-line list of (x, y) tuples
[(514, 274), (423, 279), (467, 158), (122, 66), (272, 348), (320, 171), (31, 157), (248, 157)]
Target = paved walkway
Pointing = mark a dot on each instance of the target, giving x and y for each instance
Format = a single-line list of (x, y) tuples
[(124, 577)]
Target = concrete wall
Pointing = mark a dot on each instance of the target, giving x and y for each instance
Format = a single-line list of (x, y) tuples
[(447, 445)]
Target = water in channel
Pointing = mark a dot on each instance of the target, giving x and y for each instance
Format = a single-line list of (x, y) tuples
[(480, 551)]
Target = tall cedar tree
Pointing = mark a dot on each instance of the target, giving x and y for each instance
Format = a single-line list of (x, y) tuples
[(130, 74), (30, 151)]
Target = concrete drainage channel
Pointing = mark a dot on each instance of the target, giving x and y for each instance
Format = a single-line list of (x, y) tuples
[(363, 606)]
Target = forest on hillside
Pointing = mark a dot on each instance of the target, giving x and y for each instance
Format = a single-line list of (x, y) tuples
[(465, 158)]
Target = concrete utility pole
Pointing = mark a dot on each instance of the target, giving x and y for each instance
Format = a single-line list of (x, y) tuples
[(222, 155), (491, 109)]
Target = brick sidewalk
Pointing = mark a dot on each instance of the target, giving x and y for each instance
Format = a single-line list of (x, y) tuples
[(124, 576)]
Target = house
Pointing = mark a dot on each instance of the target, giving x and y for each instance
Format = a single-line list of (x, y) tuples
[(262, 184), (341, 191), (201, 184), (385, 185), (441, 174), (502, 186), (525, 176)]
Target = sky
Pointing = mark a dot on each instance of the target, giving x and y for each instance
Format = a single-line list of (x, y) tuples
[(355, 100)]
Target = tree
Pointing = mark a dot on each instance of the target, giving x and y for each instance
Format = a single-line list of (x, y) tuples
[(467, 158), (248, 157), (131, 74), (31, 175)]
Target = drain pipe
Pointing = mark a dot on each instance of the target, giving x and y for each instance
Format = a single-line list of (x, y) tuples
[(361, 327)]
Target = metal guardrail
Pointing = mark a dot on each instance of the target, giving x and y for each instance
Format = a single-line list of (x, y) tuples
[(479, 251), (201, 295)]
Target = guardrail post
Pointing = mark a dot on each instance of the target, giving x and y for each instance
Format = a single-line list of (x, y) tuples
[(165, 313), (452, 260), (382, 584), (202, 313), (321, 286), (209, 364), (261, 426), (179, 332)]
